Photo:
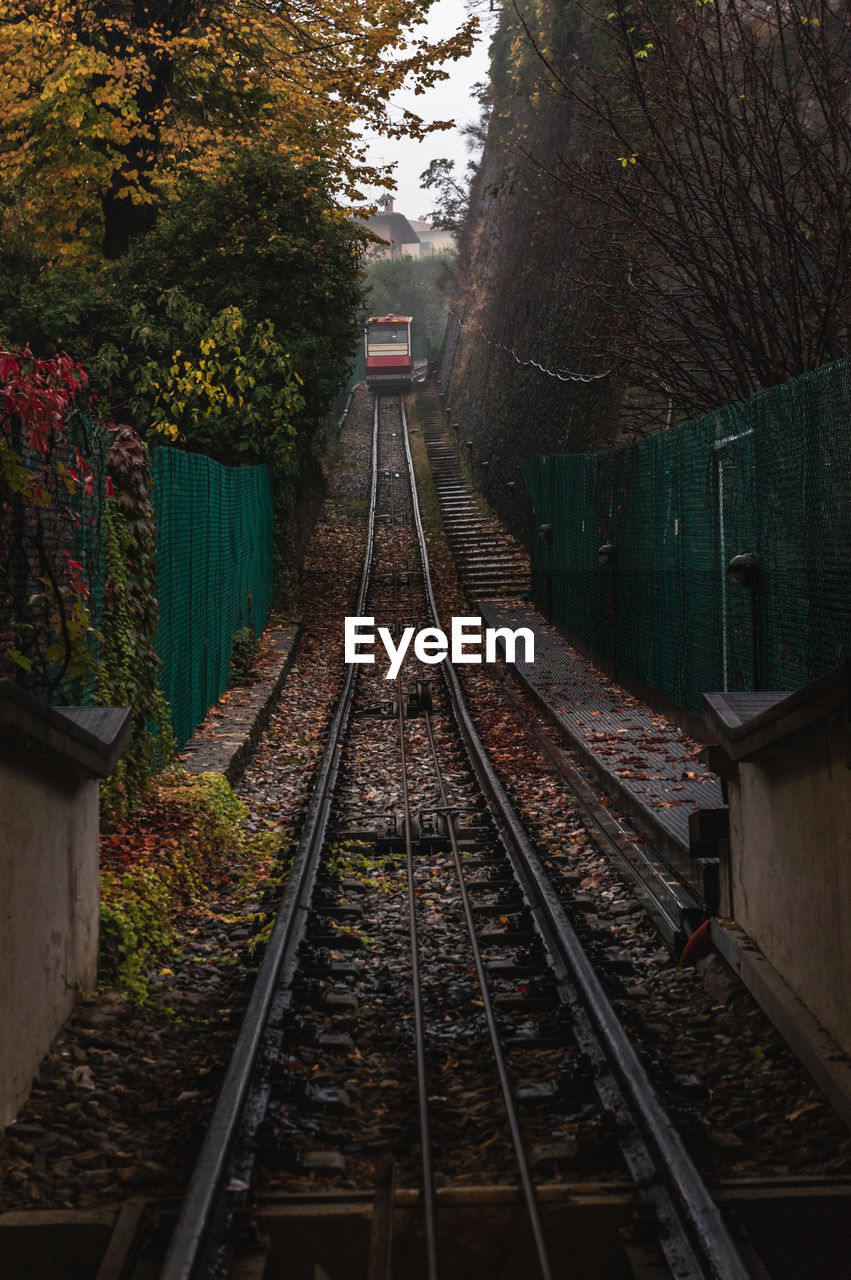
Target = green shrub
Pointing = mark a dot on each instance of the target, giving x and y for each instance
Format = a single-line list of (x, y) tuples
[(181, 844)]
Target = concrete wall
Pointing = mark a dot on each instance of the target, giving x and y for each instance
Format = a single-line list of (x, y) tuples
[(48, 914), (790, 865)]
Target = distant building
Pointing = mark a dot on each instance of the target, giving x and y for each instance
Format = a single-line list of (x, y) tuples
[(432, 240), (403, 238)]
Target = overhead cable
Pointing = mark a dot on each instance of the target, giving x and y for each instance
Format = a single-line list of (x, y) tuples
[(563, 375)]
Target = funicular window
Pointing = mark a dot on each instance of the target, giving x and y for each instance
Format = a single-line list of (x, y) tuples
[(381, 334)]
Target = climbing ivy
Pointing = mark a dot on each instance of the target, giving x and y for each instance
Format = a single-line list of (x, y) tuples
[(127, 671), (51, 488), (243, 658), (188, 837)]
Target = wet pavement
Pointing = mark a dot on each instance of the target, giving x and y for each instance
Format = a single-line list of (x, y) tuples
[(643, 760)]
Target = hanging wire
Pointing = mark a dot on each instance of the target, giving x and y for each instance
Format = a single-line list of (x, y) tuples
[(562, 375)]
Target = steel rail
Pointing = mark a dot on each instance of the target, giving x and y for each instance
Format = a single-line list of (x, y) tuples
[(524, 1172), (429, 1198), (189, 1242), (699, 1216), (666, 899), (671, 902), (478, 962)]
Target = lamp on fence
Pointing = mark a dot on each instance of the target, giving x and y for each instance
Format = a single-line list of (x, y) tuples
[(607, 555), (746, 570)]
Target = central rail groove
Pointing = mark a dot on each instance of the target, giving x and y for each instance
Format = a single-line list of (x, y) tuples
[(455, 815)]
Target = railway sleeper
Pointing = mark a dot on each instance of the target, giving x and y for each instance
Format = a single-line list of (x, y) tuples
[(486, 858), (291, 1087), (318, 962), (402, 579), (391, 843), (506, 937), (526, 963), (339, 910), (522, 1002), (342, 941), (602, 1225), (529, 1037), (507, 907), (307, 1035), (491, 883)]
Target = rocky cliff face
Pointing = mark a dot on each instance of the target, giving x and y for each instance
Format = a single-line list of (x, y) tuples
[(518, 370)]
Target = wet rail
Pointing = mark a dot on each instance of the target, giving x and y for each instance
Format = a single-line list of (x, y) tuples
[(431, 805)]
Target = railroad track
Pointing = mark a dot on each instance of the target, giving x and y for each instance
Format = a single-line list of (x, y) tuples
[(419, 937)]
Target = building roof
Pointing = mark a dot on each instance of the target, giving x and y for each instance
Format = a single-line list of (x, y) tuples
[(394, 227), (426, 231)]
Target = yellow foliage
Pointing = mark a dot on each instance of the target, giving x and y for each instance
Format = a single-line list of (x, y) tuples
[(123, 104)]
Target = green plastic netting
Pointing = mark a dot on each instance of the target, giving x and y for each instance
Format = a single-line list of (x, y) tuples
[(771, 475), (214, 574)]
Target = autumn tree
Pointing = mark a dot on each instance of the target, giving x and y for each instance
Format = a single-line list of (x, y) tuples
[(105, 105), (52, 489), (264, 235), (706, 180)]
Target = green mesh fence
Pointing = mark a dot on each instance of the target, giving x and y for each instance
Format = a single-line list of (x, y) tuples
[(772, 475), (214, 574)]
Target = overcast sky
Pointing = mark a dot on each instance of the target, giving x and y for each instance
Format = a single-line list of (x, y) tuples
[(450, 100)]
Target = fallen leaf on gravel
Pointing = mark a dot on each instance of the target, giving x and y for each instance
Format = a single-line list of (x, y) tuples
[(82, 1077), (803, 1109)]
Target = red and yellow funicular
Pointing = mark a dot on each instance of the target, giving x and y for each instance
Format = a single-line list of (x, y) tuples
[(387, 348)]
